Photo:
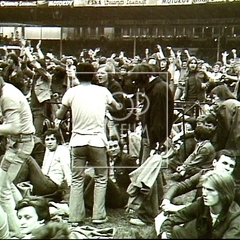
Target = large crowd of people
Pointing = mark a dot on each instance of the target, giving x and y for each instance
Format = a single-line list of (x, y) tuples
[(97, 132)]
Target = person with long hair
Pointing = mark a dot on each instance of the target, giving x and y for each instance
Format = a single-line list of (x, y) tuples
[(227, 113), (222, 92), (214, 215)]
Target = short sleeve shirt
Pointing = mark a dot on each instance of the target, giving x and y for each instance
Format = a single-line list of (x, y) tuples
[(88, 104)]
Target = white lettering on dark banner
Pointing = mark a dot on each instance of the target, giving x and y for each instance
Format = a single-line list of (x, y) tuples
[(60, 3), (8, 4), (114, 2), (175, 2), (18, 4), (136, 2)]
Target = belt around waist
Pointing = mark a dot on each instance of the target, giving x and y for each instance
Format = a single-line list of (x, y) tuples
[(22, 137)]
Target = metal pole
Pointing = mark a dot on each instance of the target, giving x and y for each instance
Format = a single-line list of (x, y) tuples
[(218, 44), (134, 46), (61, 50)]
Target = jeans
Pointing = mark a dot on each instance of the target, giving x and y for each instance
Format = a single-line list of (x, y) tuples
[(30, 171), (4, 231), (97, 158), (11, 163), (38, 119), (115, 197)]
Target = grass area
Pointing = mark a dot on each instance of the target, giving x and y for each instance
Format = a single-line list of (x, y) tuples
[(119, 218)]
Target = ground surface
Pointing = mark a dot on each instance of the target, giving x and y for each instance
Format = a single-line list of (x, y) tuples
[(119, 218)]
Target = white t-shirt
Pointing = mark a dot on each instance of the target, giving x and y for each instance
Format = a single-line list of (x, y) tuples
[(15, 108), (214, 217), (88, 104), (56, 165)]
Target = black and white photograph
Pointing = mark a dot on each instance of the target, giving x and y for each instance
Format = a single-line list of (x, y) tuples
[(120, 119)]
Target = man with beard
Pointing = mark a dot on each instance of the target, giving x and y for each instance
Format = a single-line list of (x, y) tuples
[(201, 157)]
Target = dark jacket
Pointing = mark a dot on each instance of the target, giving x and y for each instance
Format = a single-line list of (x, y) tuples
[(201, 158), (157, 112), (200, 77), (228, 116), (123, 165), (228, 129), (226, 226), (115, 88), (193, 183)]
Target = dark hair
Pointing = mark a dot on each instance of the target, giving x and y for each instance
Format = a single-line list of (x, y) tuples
[(167, 61), (14, 57), (52, 230), (85, 72), (227, 152), (203, 133), (39, 203), (124, 66), (53, 131), (102, 60), (192, 59), (141, 72), (211, 118), (223, 92), (218, 63)]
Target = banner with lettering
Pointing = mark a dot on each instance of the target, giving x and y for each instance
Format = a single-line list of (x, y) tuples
[(174, 2), (110, 3), (78, 3), (18, 3), (60, 3), (44, 3)]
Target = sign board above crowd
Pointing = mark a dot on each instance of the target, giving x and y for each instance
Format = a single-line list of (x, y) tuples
[(105, 3)]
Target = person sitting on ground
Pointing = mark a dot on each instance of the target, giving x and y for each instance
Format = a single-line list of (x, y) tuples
[(201, 157), (214, 215), (120, 165), (225, 161), (55, 172), (33, 212), (183, 144)]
